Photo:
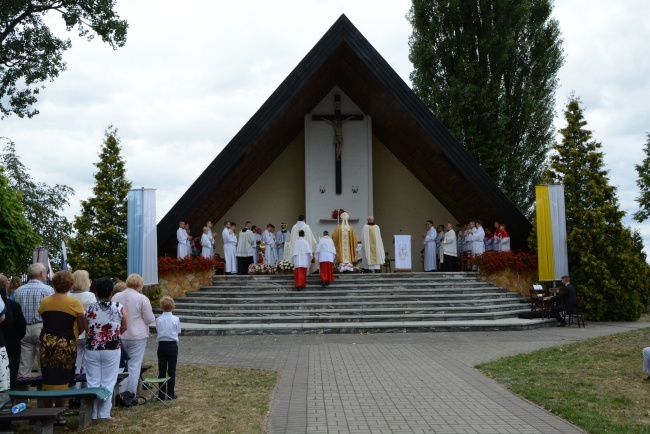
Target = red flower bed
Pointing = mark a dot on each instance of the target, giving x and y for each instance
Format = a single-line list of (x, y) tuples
[(494, 262), (189, 264)]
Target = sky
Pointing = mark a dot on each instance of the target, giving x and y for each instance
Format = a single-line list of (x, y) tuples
[(190, 77)]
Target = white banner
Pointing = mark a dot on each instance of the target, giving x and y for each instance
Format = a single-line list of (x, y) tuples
[(403, 252)]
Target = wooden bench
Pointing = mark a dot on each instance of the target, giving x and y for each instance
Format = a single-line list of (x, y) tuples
[(87, 396), (43, 418)]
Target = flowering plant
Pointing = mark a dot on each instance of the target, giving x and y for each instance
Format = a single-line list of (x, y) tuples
[(284, 267), (188, 264), (494, 262), (337, 213), (261, 269)]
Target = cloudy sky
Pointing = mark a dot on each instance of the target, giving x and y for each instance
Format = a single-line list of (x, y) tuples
[(190, 77)]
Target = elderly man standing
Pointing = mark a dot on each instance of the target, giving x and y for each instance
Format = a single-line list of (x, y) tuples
[(373, 247), (29, 296), (449, 249)]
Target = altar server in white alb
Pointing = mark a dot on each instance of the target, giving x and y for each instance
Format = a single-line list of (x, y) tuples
[(268, 237), (430, 247), (325, 254), (211, 235), (478, 238), (309, 236), (301, 256), (181, 237), (504, 237), (229, 237), (206, 244), (373, 255), (281, 238)]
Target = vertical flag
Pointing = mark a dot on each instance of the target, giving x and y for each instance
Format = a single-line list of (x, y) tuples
[(64, 256), (550, 217)]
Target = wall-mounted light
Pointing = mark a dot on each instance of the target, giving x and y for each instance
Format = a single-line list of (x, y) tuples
[(321, 188), (355, 189)]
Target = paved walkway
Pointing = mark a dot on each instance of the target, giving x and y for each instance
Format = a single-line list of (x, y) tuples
[(392, 383)]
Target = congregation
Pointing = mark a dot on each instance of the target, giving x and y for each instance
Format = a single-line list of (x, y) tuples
[(77, 333), (252, 246)]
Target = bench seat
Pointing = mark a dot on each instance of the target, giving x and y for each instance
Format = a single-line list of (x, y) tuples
[(43, 418)]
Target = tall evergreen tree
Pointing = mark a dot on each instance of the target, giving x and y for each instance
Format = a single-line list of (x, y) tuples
[(100, 243), (43, 204), (643, 182), (488, 70), (603, 262), (17, 238)]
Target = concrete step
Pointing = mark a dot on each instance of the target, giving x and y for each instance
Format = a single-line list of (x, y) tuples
[(505, 324), (342, 292)]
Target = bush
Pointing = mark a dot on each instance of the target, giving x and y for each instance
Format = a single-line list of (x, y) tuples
[(495, 262), (188, 264)]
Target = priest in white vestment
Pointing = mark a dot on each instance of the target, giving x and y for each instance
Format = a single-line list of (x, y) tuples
[(280, 240), (449, 249), (245, 249), (478, 239), (229, 237), (206, 244), (430, 247), (309, 236), (372, 250), (301, 256), (325, 253), (181, 237), (268, 238)]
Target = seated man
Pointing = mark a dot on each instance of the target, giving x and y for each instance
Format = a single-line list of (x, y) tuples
[(565, 301)]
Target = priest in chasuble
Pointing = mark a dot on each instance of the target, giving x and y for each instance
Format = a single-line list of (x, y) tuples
[(309, 237), (373, 254), (345, 241)]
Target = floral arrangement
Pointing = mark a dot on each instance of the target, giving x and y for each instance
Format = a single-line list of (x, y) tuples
[(188, 264), (284, 267), (261, 269), (337, 213), (494, 262)]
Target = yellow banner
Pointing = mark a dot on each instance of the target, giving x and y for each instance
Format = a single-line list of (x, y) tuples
[(545, 257)]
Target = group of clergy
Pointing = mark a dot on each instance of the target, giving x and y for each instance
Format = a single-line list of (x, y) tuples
[(468, 239)]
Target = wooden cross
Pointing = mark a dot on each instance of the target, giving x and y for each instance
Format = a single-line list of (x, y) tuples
[(337, 120)]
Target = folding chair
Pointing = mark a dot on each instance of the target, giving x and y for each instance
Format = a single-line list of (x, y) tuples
[(155, 387)]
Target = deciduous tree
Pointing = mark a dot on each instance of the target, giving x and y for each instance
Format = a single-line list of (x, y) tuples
[(488, 70), (607, 269), (31, 54), (100, 243)]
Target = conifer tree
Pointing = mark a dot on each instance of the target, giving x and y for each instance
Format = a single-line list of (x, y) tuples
[(100, 243), (17, 237), (643, 182), (603, 262)]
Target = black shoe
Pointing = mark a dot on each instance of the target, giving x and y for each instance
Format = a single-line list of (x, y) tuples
[(323, 285), (327, 284), (174, 396), (561, 324)]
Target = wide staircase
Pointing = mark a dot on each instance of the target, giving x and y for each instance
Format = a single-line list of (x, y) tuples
[(354, 303)]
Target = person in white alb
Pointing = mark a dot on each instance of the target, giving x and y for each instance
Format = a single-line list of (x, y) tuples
[(478, 239), (168, 327), (229, 246), (429, 247), (245, 249), (206, 244), (449, 249), (271, 252), (181, 237), (211, 235), (325, 253), (280, 238), (301, 256), (301, 225)]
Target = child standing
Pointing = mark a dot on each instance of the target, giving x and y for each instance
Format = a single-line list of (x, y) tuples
[(168, 327)]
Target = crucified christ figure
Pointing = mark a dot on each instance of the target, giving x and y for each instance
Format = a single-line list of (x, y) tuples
[(338, 133)]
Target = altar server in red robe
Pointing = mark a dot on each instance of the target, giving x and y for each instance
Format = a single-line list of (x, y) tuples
[(325, 253), (301, 254)]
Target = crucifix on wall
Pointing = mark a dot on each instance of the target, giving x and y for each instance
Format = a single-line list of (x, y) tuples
[(336, 121)]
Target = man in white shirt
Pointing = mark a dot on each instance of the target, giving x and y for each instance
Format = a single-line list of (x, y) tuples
[(325, 253), (301, 255), (181, 237)]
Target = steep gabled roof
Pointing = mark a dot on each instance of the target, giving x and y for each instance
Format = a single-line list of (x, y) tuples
[(344, 58)]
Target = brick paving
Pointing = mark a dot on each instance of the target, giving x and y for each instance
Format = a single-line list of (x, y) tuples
[(391, 382)]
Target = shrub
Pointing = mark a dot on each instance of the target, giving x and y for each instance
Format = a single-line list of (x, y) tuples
[(494, 262), (188, 264)]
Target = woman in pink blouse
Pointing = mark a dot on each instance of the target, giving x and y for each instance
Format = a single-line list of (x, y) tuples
[(140, 314)]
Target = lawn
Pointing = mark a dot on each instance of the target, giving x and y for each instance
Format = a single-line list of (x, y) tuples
[(211, 400), (596, 384)]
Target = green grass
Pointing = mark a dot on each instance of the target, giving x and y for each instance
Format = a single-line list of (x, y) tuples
[(596, 384), (211, 400)]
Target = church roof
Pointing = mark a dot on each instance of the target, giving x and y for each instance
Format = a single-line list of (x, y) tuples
[(343, 57)]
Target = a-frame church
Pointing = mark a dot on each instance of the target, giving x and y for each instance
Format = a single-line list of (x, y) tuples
[(343, 130)]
